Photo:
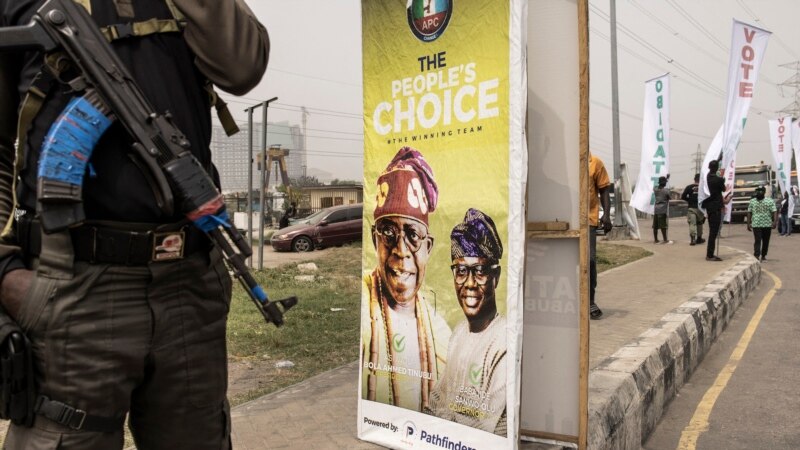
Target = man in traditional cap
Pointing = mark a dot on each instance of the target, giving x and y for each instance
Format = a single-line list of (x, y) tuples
[(404, 340), (472, 391)]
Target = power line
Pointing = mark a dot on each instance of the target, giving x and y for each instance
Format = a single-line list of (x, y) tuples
[(698, 25), (320, 109), (675, 75), (302, 75), (641, 41), (774, 36), (674, 32), (694, 22), (252, 101), (319, 137)]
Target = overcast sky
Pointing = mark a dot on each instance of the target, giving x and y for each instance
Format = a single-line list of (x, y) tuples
[(316, 62)]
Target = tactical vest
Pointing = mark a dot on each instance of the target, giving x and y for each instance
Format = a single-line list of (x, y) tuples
[(37, 93)]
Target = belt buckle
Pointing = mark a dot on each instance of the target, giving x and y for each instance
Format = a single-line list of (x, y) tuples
[(169, 245)]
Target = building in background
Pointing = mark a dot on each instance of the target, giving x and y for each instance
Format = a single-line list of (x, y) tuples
[(320, 197), (229, 154)]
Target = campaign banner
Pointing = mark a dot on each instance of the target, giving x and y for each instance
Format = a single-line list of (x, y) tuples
[(796, 146), (780, 133), (443, 255), (748, 45), (655, 143)]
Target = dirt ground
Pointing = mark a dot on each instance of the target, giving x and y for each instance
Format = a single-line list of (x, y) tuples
[(273, 259), (245, 375)]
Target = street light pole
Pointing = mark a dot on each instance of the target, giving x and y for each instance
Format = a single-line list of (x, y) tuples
[(263, 183), (615, 114), (249, 233)]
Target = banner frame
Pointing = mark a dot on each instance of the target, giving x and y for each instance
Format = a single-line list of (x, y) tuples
[(536, 231)]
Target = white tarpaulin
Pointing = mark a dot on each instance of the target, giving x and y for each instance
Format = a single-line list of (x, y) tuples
[(655, 143), (748, 45), (780, 133)]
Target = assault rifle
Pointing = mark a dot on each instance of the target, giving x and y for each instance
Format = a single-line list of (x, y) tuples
[(65, 29)]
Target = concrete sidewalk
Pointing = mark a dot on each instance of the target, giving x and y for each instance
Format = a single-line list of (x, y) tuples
[(321, 412)]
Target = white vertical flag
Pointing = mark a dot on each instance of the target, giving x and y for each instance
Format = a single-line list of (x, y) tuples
[(795, 189), (655, 142), (748, 45), (796, 139), (780, 133)]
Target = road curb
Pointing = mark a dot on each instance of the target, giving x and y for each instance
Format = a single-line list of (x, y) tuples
[(629, 389)]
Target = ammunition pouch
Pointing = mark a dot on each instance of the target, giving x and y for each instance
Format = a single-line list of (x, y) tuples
[(17, 387)]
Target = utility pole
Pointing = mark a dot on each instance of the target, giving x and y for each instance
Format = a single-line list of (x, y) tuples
[(304, 154), (793, 82), (698, 160), (618, 221), (249, 233)]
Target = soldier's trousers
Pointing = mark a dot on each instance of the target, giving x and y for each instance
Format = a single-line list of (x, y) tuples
[(145, 340), (696, 218)]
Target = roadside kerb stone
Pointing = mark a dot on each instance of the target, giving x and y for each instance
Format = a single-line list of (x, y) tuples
[(629, 390)]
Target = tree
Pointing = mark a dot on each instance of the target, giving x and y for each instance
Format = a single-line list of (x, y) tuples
[(306, 181), (338, 182)]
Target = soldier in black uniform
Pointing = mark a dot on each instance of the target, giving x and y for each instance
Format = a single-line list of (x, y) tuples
[(127, 311)]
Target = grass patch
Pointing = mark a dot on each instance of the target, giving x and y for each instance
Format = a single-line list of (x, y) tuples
[(313, 337), (615, 255)]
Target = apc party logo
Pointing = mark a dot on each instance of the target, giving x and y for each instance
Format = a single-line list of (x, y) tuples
[(429, 18)]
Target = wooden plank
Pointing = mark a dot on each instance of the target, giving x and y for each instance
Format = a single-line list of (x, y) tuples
[(569, 234), (550, 436), (547, 226), (583, 67)]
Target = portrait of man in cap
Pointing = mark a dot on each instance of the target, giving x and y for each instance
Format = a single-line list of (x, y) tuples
[(404, 340), (472, 390)]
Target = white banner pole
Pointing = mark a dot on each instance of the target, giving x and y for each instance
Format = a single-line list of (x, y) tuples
[(655, 143), (780, 138), (748, 45)]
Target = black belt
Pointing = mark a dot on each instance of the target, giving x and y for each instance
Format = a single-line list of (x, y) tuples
[(95, 243), (75, 418)]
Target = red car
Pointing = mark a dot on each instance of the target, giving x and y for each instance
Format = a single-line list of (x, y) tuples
[(332, 226)]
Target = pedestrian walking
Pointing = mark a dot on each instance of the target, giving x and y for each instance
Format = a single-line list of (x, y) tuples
[(762, 218), (785, 223), (599, 187), (694, 215), (661, 210)]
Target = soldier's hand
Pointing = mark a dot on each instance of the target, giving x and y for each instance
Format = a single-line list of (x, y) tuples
[(13, 289)]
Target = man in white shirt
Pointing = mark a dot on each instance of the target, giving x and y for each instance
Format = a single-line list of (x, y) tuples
[(472, 390)]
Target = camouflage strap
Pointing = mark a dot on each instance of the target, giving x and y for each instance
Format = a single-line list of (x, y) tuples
[(31, 104), (223, 113), (139, 29)]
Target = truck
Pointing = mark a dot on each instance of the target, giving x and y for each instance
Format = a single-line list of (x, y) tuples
[(747, 178)]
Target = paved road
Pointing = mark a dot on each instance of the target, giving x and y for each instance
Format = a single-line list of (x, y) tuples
[(752, 402)]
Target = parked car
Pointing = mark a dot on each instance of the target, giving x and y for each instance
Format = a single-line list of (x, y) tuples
[(331, 226)]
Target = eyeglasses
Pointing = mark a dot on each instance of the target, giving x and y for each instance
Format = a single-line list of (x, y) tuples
[(413, 235), (480, 272)]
